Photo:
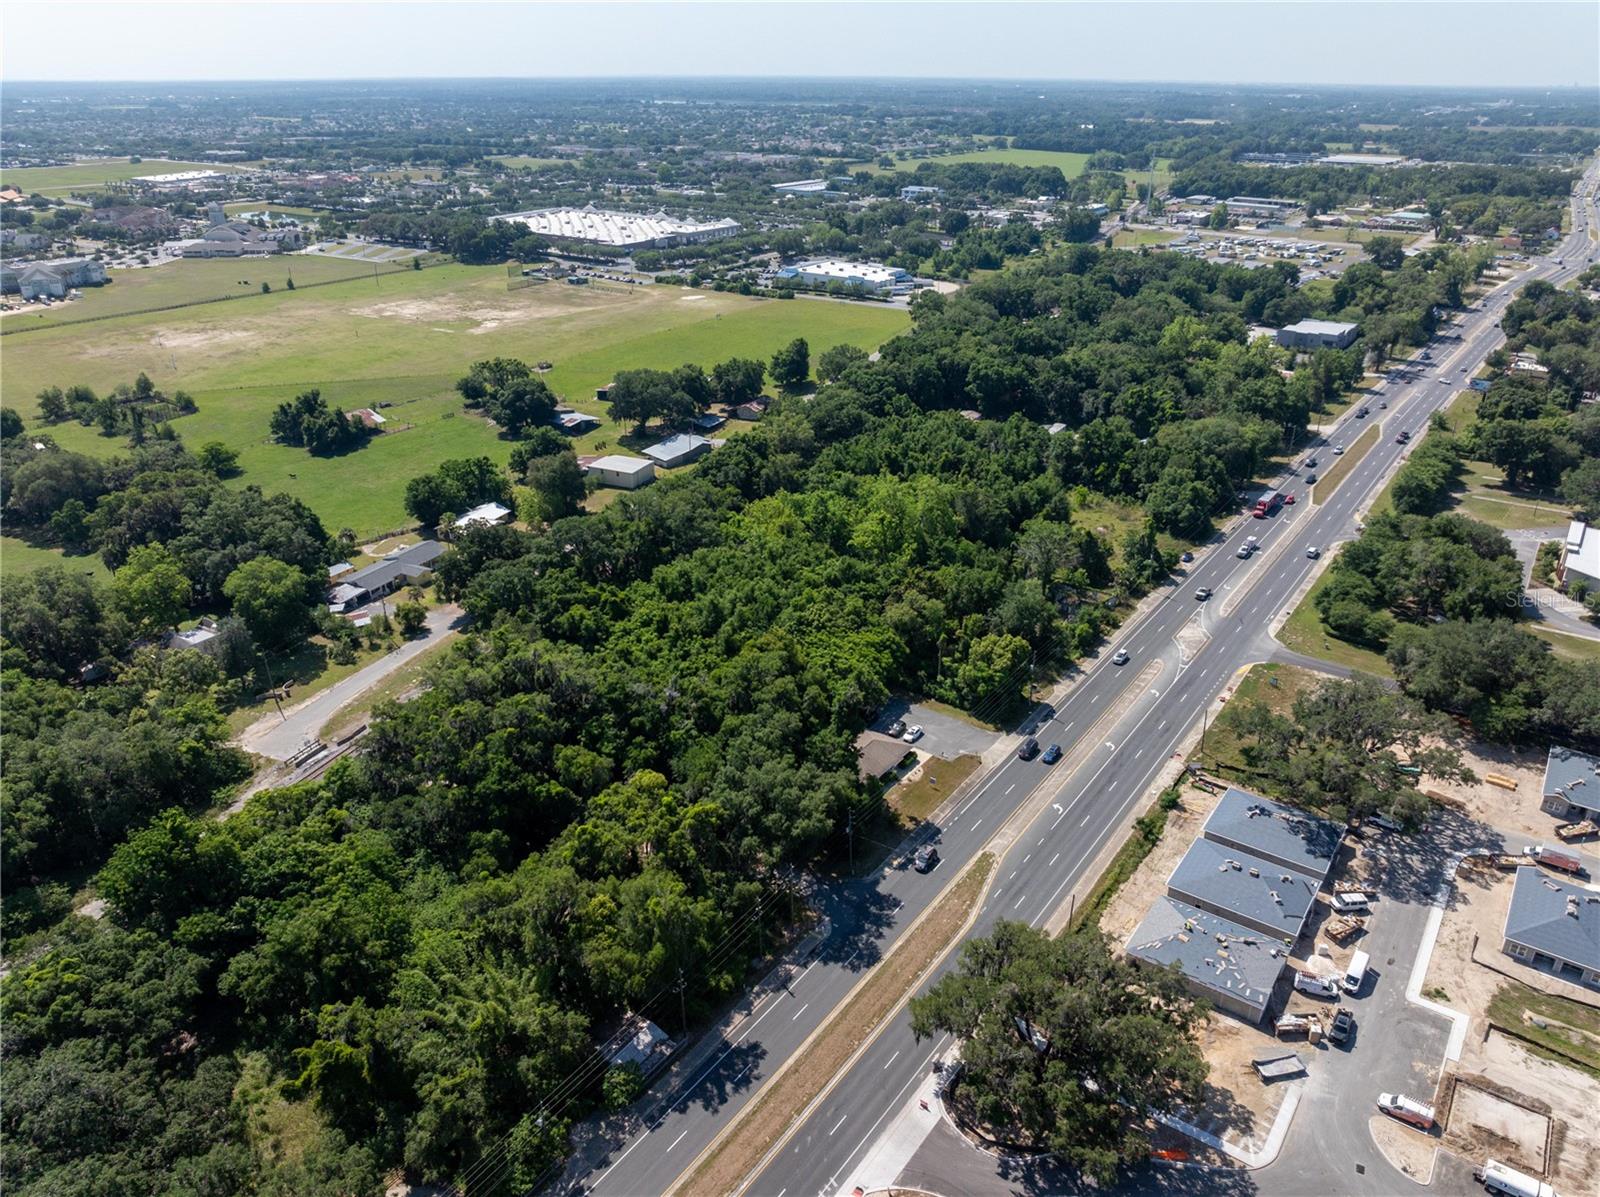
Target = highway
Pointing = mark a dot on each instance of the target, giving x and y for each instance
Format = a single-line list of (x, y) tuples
[(1119, 726), (1050, 855)]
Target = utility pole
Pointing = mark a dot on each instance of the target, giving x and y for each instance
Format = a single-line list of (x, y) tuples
[(683, 1014), (850, 835)]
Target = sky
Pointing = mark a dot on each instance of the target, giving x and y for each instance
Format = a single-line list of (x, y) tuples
[(1426, 42)]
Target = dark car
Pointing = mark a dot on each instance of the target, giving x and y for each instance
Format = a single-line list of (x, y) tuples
[(1051, 754), (896, 729), (1028, 749), (1343, 1023), (927, 856)]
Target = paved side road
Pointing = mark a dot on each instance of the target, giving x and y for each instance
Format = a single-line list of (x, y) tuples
[(280, 739)]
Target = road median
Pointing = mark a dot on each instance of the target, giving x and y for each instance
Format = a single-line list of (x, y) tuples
[(1329, 482), (746, 1143)]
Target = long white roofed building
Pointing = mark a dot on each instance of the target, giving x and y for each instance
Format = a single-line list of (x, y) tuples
[(625, 230)]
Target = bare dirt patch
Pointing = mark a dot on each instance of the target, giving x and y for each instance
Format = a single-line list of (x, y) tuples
[(199, 338), (1505, 1129), (1411, 1151), (486, 316), (1514, 814)]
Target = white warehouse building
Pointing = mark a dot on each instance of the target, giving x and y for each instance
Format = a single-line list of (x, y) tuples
[(625, 230), (869, 276)]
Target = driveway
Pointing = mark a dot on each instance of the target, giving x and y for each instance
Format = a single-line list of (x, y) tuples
[(945, 736), (280, 739), (1551, 607)]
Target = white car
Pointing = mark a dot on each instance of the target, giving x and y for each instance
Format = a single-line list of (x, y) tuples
[(1338, 450), (1120, 657), (912, 733), (1313, 552)]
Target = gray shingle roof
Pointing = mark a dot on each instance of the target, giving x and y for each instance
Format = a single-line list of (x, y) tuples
[(1574, 775), (1216, 953), (408, 562), (1220, 876), (1279, 833), (1538, 918)]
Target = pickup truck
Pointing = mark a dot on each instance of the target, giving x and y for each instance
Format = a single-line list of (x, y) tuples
[(1399, 1106)]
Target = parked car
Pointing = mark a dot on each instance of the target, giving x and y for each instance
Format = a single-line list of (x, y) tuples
[(1186, 557), (1343, 1023), (1051, 754), (896, 729), (1351, 902), (1397, 1105), (912, 734), (927, 856), (1203, 593), (1316, 986), (1120, 657)]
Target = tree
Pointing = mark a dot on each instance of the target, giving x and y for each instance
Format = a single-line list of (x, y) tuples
[(53, 405), (1387, 252), (57, 621), (791, 365), (217, 458), (1064, 1046), (458, 485), (272, 597), (1580, 486), (10, 424), (411, 618), (832, 364), (520, 405), (737, 380), (151, 589), (1342, 747), (1218, 218), (557, 484)]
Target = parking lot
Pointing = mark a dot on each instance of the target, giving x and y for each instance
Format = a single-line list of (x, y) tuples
[(944, 736)]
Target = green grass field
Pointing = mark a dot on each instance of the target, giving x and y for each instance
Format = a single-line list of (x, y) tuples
[(145, 287), (401, 340), (1304, 632), (20, 557), (63, 180), (523, 160), (1133, 238), (1071, 164)]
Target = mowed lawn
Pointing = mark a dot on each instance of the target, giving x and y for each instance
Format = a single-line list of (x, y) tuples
[(141, 288), (20, 557), (1071, 164), (63, 180), (400, 340)]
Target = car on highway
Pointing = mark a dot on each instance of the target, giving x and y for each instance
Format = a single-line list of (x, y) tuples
[(1362, 413), (1311, 478), (1120, 657), (1444, 380), (1203, 593), (1338, 450), (1311, 463), (896, 729), (927, 856), (1051, 754), (1028, 749), (1383, 404), (912, 734), (1401, 437), (1289, 499), (1313, 552)]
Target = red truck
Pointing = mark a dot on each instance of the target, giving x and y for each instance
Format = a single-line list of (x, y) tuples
[(1551, 858), (1267, 504)]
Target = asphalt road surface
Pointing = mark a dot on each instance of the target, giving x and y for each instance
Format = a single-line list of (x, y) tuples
[(1084, 805)]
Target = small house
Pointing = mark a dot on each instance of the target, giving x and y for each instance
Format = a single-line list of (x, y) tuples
[(621, 471), (678, 450)]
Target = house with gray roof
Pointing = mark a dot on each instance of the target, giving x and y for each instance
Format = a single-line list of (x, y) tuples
[(1275, 832), (1554, 926), (678, 450), (1261, 894), (1231, 966), (1571, 784), (402, 566)]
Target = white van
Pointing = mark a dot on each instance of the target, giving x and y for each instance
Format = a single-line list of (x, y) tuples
[(1356, 974), (1498, 1178)]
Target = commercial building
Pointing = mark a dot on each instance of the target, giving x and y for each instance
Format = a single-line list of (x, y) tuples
[(1405, 221), (1580, 556), (50, 279), (802, 187), (1229, 965), (1260, 206), (866, 276), (1318, 334), (621, 471), (1554, 926), (624, 230), (917, 192), (236, 239), (1266, 897), (182, 178), (678, 450), (398, 568), (1571, 783), (1281, 834), (1361, 160)]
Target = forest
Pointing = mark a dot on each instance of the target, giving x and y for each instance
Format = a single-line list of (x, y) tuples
[(608, 789)]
